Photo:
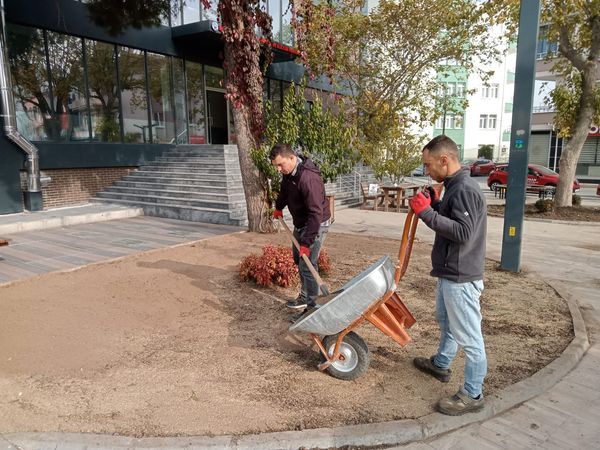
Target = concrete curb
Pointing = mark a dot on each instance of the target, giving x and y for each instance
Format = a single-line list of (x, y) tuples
[(368, 435), (57, 221)]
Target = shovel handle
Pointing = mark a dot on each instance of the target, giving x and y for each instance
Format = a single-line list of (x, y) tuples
[(313, 271)]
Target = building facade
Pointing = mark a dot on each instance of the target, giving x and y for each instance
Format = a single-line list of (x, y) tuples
[(97, 106), (487, 118), (545, 146)]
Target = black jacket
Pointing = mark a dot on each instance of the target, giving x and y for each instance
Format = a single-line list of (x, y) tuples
[(460, 225), (304, 195)]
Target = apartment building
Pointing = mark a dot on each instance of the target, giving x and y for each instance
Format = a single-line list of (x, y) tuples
[(487, 118), (545, 146)]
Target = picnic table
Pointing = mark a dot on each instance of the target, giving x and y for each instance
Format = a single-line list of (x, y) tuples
[(542, 191), (395, 196)]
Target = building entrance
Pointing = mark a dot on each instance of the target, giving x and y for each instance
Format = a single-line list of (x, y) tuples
[(217, 119)]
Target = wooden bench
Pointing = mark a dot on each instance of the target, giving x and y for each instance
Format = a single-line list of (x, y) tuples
[(500, 191), (542, 191), (376, 198)]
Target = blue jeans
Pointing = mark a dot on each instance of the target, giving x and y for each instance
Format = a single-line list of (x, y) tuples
[(459, 317), (309, 288)]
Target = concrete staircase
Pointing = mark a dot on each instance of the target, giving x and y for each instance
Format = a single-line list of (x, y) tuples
[(200, 183)]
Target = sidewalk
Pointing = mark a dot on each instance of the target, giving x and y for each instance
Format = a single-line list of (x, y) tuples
[(560, 409)]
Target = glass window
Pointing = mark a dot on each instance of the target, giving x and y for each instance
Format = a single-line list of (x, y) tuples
[(181, 131), (215, 77), (492, 119), (460, 89), (162, 109), (483, 121), (69, 112), (287, 32), (210, 14), (276, 94), (27, 57), (490, 91), (176, 13), (191, 11), (132, 78), (103, 91), (275, 13), (195, 97)]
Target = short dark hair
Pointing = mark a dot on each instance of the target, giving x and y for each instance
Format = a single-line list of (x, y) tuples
[(281, 149), (442, 144)]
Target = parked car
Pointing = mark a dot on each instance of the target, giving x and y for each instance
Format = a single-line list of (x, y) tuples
[(536, 176), (482, 167), (598, 190)]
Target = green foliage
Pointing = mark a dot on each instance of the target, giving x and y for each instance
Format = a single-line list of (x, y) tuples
[(320, 134), (486, 151), (576, 97), (576, 200), (276, 266), (544, 205)]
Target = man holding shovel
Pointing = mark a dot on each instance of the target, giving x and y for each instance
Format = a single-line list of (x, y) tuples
[(303, 192), (458, 259)]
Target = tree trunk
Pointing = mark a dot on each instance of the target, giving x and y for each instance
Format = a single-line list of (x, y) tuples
[(570, 154), (254, 185)]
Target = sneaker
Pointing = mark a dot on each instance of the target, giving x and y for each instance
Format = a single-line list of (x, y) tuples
[(297, 303), (460, 403), (426, 365), (306, 311)]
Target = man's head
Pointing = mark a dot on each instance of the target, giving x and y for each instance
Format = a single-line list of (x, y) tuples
[(283, 158), (440, 158)]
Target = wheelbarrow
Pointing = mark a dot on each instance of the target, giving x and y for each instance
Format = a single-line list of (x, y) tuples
[(370, 296)]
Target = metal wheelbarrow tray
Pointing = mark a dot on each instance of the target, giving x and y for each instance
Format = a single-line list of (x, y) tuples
[(370, 296)]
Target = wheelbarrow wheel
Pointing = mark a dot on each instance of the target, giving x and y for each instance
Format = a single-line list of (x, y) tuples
[(355, 356)]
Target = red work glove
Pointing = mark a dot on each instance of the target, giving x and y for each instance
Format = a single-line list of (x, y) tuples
[(304, 250), (277, 214), (419, 203)]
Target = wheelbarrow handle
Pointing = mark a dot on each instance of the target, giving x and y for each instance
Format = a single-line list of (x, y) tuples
[(408, 237), (313, 271)]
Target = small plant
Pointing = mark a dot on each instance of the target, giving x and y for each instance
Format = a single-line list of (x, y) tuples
[(544, 205), (276, 266), (576, 201)]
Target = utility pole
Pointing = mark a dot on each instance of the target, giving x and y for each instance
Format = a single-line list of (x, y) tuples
[(529, 17)]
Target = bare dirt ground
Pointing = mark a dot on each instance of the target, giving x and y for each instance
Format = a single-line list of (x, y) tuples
[(575, 213), (170, 342)]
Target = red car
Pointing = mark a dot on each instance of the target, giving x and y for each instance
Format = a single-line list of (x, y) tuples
[(536, 175), (482, 167)]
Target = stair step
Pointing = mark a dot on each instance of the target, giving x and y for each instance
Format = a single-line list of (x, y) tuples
[(193, 214), (175, 184), (191, 159), (187, 175), (157, 198), (175, 180), (187, 195), (191, 168)]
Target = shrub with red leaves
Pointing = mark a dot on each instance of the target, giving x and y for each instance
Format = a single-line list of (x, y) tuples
[(276, 266)]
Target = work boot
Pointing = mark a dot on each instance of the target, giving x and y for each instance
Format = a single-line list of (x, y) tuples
[(305, 312), (460, 403), (427, 365), (297, 303)]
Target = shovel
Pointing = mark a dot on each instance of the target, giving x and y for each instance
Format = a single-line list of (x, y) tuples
[(313, 271)]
